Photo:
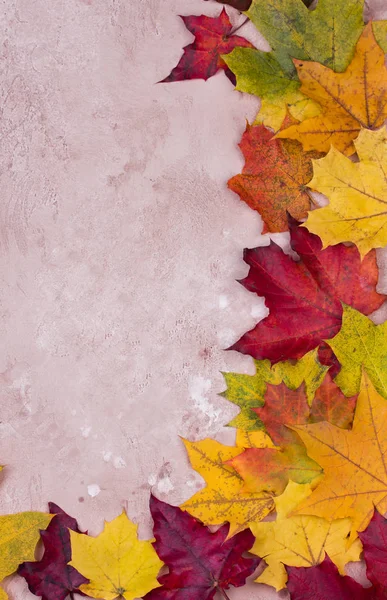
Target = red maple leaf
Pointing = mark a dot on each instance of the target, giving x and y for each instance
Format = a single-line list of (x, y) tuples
[(202, 59), (304, 296), (285, 407), (323, 582), (199, 562), (52, 577), (374, 540)]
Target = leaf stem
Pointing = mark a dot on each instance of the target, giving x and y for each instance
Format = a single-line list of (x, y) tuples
[(238, 27), (221, 590)]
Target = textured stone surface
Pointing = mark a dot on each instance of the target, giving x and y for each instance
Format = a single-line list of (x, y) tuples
[(120, 245)]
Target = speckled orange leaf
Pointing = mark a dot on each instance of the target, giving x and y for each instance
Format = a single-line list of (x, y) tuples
[(273, 180), (350, 101)]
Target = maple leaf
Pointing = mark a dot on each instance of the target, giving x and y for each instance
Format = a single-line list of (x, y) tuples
[(115, 562), (202, 59), (270, 469), (51, 577), (327, 34), (19, 534), (223, 498), (357, 192), (325, 583), (350, 101), (300, 541), (304, 297), (374, 540), (360, 344), (284, 407), (359, 456), (248, 391), (200, 562), (274, 178)]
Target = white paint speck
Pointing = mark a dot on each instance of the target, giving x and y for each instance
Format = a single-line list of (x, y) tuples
[(223, 301), (85, 430), (107, 456), (93, 490), (119, 462), (198, 390), (73, 412)]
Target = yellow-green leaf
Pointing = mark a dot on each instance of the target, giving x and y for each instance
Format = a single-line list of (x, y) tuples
[(327, 34), (19, 535), (248, 391), (358, 344)]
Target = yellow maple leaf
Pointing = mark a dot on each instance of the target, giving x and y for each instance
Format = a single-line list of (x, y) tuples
[(357, 192), (116, 562), (354, 462), (351, 100), (223, 499), (19, 534), (300, 541)]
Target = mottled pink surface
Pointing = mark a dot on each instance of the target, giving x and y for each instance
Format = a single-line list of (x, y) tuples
[(120, 246)]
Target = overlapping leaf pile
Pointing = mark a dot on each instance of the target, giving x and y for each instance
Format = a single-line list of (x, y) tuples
[(311, 435)]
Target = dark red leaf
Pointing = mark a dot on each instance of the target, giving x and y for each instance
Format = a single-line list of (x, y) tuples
[(304, 297), (245, 4), (323, 582), (374, 540), (202, 58), (199, 562), (52, 578), (328, 358), (238, 4)]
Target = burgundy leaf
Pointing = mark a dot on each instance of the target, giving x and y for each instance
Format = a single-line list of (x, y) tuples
[(323, 582), (374, 540), (51, 577), (199, 562)]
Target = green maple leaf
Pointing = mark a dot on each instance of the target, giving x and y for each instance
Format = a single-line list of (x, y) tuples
[(360, 344)]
